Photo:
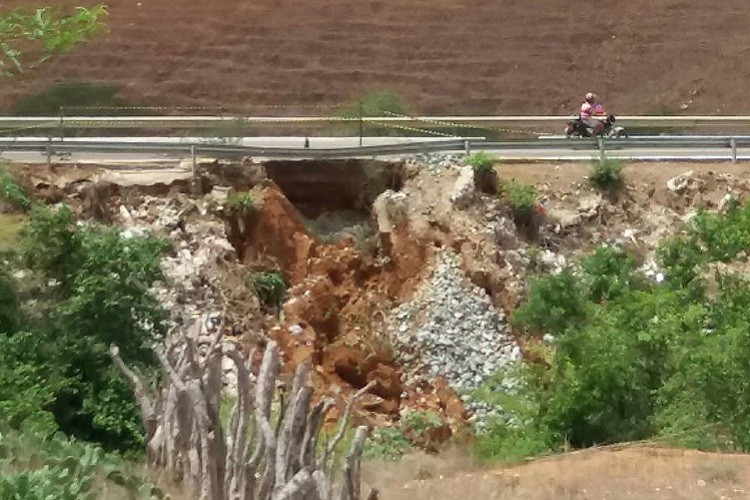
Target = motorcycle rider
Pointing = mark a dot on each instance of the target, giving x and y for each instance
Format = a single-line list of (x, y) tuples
[(590, 109)]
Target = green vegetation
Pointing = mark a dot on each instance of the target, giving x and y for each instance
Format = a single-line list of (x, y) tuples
[(606, 173), (51, 100), (34, 467), (12, 193), (635, 359), (87, 287), (10, 228), (485, 178), (270, 288), (392, 443), (243, 203), (379, 103), (30, 37), (522, 199), (481, 162)]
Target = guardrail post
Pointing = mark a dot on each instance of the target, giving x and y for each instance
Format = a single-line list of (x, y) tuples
[(602, 153), (62, 122), (49, 151), (361, 123), (733, 145), (193, 158), (467, 147)]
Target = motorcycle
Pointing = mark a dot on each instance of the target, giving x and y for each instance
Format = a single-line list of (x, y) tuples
[(576, 128)]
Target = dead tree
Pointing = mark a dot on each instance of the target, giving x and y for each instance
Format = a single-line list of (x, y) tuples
[(253, 456)]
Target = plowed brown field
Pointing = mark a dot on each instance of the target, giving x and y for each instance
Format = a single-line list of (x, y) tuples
[(444, 56)]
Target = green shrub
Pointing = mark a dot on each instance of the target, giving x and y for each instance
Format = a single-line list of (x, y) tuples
[(609, 273), (388, 443), (633, 359), (392, 443), (70, 95), (485, 177), (12, 193), (243, 203), (270, 288), (95, 292), (35, 466), (522, 199), (553, 304), (606, 173), (481, 162), (383, 103)]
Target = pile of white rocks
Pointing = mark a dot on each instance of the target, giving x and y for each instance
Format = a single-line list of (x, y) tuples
[(189, 291), (436, 161), (451, 329)]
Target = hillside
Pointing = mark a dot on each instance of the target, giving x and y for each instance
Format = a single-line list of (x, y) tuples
[(444, 56)]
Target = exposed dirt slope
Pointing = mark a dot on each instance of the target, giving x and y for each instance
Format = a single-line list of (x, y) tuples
[(459, 56)]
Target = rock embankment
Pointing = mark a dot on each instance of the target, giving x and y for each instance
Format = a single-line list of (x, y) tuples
[(451, 329)]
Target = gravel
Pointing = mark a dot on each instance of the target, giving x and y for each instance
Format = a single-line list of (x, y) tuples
[(450, 328), (436, 161)]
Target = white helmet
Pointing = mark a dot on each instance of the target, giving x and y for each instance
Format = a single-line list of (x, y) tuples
[(590, 97)]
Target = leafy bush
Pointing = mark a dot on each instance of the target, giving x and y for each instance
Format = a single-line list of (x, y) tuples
[(522, 199), (635, 359), (43, 32), (36, 467), (485, 177), (94, 293), (388, 443), (481, 162), (392, 443), (243, 203), (12, 193), (606, 173), (270, 288), (554, 304)]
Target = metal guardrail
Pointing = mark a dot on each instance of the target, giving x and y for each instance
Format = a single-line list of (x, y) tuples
[(144, 122), (56, 146)]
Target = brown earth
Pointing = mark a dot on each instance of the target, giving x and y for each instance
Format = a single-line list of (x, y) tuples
[(641, 472), (444, 56)]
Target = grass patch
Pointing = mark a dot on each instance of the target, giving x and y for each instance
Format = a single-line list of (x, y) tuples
[(606, 173), (12, 193), (384, 103), (10, 229), (522, 199), (70, 95), (719, 470), (485, 178), (270, 288), (243, 203)]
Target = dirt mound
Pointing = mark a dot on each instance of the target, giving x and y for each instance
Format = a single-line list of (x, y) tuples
[(642, 472), (445, 56)]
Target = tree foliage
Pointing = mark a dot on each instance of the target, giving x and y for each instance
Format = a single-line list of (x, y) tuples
[(91, 290), (30, 37), (634, 359)]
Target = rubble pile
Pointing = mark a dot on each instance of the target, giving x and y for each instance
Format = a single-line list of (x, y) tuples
[(451, 329), (204, 285)]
